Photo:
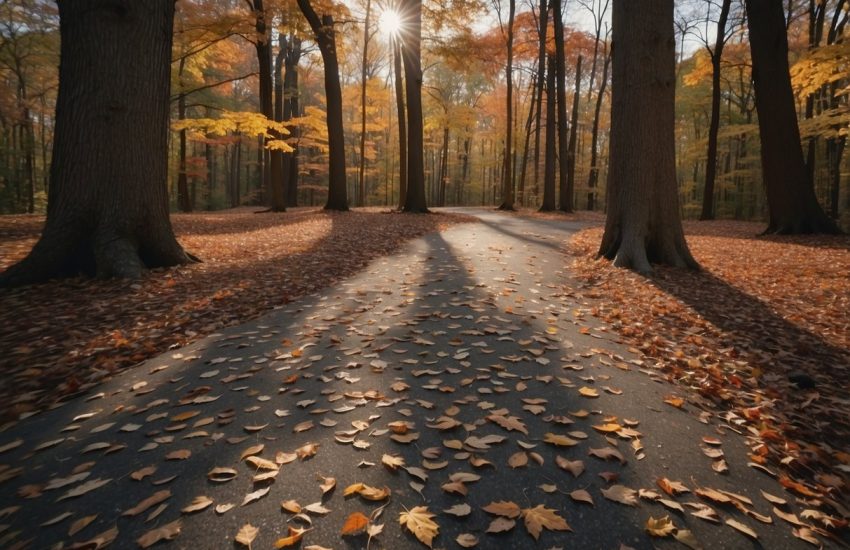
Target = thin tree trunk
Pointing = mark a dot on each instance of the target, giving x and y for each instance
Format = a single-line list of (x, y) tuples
[(541, 79), (361, 195), (508, 177), (593, 177), (548, 203), (398, 82), (278, 183), (565, 204), (523, 165), (571, 149), (714, 124)]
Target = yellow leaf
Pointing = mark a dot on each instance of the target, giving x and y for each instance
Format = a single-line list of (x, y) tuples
[(246, 535), (660, 527), (559, 440), (588, 392), (419, 521)]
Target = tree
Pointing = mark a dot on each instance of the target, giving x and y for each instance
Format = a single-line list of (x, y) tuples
[(643, 225), (565, 185), (571, 149), (792, 204), (412, 57), (508, 177), (548, 203), (361, 180), (398, 83), (107, 211), (323, 30), (716, 55)]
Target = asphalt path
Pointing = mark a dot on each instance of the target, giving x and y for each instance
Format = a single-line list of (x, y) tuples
[(478, 321)]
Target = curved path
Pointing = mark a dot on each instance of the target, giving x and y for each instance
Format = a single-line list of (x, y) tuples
[(470, 333)]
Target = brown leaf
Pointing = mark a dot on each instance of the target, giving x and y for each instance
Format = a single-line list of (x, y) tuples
[(503, 508), (737, 525), (152, 500), (169, 531), (246, 535), (540, 517), (199, 503), (621, 494), (581, 495)]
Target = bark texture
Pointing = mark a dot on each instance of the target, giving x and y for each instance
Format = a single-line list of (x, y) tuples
[(107, 212), (508, 176), (792, 204), (548, 203), (643, 225), (323, 30), (398, 83), (411, 54), (565, 185)]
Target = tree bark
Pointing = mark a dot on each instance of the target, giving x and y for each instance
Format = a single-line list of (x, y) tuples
[(415, 200), (264, 58), (548, 203), (361, 195), (792, 205), (714, 123), (107, 213), (402, 123), (278, 181), (508, 177), (643, 225), (571, 149), (326, 39), (565, 203), (593, 177), (291, 108), (541, 80), (444, 167)]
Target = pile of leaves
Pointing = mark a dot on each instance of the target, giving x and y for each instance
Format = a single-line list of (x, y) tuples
[(762, 334), (64, 337)]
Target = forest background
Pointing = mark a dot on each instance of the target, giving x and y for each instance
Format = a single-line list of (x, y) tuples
[(219, 145)]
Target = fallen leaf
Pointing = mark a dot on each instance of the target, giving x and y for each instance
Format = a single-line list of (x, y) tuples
[(169, 531), (621, 494), (737, 525), (661, 527), (540, 517), (246, 535), (354, 524), (419, 521)]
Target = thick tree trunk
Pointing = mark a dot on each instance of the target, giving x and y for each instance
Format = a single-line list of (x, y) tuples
[(792, 204), (402, 124), (548, 203), (508, 177), (326, 39), (565, 202), (643, 225), (108, 208), (593, 177), (714, 124), (571, 149), (415, 199)]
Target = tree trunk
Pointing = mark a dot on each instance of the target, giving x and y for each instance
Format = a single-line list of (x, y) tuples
[(521, 195), (792, 204), (402, 124), (565, 204), (643, 225), (593, 177), (108, 208), (444, 167), (548, 203), (415, 199), (263, 47), (291, 108), (278, 181), (571, 149), (361, 195), (508, 177), (541, 79), (714, 124), (326, 39)]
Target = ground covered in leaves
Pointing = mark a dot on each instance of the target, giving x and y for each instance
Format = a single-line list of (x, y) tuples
[(762, 334), (62, 338)]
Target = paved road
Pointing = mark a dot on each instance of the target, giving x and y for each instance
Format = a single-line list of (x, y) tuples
[(476, 322)]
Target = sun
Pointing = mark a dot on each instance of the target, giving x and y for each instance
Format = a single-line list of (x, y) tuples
[(390, 23)]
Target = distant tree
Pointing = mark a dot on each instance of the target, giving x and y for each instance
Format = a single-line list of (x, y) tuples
[(325, 35), (565, 188), (643, 226), (548, 204), (107, 211), (412, 57), (398, 83), (792, 204)]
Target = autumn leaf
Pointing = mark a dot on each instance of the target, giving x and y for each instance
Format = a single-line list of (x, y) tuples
[(393, 462), (152, 500), (738, 526), (510, 423), (503, 508), (169, 531), (672, 488), (246, 535), (621, 494), (540, 517), (661, 527), (580, 495), (198, 504), (293, 538), (418, 520), (559, 440), (255, 495), (355, 524)]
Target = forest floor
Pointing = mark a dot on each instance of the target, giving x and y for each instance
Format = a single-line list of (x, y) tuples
[(479, 385), (62, 338)]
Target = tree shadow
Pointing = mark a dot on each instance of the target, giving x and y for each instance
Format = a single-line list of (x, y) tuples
[(752, 231)]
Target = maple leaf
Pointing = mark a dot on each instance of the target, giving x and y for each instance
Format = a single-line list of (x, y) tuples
[(419, 521), (541, 517)]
